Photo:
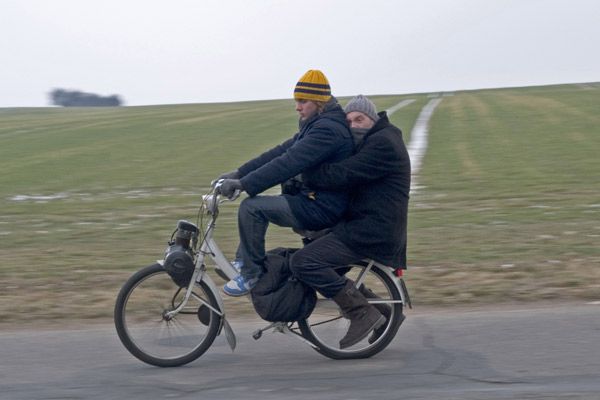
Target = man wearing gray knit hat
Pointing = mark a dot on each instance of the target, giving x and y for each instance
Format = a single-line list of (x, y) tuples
[(361, 114), (374, 225), (363, 105)]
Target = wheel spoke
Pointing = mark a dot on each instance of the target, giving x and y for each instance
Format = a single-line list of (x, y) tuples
[(326, 321), (325, 327), (140, 319)]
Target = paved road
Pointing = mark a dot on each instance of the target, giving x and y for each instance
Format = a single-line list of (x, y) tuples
[(526, 353)]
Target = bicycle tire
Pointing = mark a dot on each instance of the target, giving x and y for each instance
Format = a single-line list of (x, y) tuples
[(325, 326), (145, 331)]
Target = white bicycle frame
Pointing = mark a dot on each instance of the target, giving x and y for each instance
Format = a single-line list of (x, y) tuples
[(388, 271), (209, 247)]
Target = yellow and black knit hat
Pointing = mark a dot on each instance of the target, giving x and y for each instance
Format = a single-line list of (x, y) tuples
[(313, 85)]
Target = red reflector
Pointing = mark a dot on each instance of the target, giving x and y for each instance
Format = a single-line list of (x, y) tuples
[(399, 272)]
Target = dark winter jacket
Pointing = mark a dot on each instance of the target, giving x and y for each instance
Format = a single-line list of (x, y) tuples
[(378, 177), (323, 138)]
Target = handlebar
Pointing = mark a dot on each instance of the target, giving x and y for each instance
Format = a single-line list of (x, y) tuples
[(212, 200), (216, 185)]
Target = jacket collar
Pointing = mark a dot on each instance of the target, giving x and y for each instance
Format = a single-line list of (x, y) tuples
[(382, 123), (332, 110)]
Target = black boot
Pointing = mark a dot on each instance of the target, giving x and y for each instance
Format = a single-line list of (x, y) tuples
[(384, 309), (363, 316)]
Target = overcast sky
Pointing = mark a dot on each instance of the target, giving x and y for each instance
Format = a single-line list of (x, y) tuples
[(196, 51)]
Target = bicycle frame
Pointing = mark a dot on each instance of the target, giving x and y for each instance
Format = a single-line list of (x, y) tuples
[(388, 271), (209, 247)]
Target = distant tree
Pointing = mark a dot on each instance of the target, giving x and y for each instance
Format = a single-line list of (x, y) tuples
[(74, 98)]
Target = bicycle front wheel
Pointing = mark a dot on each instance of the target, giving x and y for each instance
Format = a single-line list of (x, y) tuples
[(150, 333), (326, 326)]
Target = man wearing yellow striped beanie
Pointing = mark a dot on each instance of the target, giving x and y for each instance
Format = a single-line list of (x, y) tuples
[(313, 85), (323, 136), (312, 93)]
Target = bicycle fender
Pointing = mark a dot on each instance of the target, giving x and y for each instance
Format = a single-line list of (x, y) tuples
[(229, 334)]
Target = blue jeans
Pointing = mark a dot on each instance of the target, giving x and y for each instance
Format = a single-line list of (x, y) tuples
[(314, 264), (254, 216)]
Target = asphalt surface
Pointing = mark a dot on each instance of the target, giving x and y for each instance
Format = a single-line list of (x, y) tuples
[(533, 352)]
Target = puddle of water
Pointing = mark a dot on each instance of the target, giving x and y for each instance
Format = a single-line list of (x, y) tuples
[(25, 197), (398, 106), (546, 237), (85, 197), (418, 137)]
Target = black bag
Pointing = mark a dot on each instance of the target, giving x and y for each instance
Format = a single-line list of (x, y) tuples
[(278, 296)]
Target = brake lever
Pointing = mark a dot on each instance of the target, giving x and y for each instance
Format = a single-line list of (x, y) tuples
[(216, 184)]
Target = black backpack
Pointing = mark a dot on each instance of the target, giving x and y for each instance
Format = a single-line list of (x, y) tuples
[(278, 296)]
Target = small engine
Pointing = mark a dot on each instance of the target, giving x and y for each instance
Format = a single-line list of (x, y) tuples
[(179, 256)]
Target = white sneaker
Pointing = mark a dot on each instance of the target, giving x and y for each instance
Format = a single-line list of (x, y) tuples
[(238, 286)]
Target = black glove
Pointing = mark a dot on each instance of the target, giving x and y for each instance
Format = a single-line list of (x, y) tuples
[(229, 186), (292, 186), (230, 175)]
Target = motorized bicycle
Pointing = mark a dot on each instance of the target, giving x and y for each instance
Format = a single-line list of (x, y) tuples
[(168, 320)]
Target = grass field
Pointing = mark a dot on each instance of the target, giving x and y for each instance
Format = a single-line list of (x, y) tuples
[(511, 205), (509, 208)]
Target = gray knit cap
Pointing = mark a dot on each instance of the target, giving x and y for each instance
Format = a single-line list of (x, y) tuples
[(362, 104)]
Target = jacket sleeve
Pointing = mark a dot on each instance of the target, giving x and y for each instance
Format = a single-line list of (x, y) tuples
[(317, 145), (267, 156), (376, 159)]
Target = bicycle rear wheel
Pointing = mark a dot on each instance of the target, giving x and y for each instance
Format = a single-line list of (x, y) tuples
[(149, 333), (326, 326)]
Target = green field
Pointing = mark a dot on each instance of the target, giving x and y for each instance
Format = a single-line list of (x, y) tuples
[(507, 209)]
